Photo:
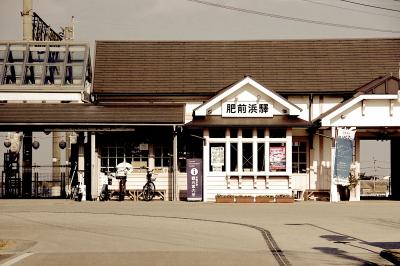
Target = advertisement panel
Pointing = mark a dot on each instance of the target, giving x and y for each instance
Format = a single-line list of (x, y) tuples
[(194, 169), (277, 158)]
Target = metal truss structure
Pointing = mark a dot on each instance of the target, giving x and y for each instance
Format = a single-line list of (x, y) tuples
[(42, 31)]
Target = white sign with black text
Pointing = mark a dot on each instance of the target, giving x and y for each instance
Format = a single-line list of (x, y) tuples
[(246, 109)]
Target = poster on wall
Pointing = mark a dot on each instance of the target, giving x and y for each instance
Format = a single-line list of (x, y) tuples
[(277, 158), (343, 155), (194, 169), (217, 156)]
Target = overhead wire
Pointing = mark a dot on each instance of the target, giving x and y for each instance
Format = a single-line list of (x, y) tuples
[(310, 21), (378, 7), (349, 9)]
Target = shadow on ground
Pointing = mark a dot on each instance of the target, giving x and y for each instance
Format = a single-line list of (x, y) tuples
[(340, 238)]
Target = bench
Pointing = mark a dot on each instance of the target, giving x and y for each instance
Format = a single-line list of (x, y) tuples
[(138, 194), (317, 194)]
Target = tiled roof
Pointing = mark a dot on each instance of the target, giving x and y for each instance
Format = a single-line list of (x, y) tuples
[(88, 115), (195, 68)]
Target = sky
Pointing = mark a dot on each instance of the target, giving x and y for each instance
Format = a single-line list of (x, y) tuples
[(210, 19), (213, 20)]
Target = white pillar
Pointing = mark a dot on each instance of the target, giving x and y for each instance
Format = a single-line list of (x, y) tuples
[(175, 162), (151, 156), (266, 157), (228, 152), (289, 156), (334, 191), (240, 152), (255, 152), (81, 166), (94, 172), (206, 159)]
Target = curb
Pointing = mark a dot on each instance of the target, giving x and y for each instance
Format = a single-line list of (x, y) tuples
[(392, 255)]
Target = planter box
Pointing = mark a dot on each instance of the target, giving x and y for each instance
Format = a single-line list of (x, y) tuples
[(264, 200), (224, 200), (244, 199), (284, 200)]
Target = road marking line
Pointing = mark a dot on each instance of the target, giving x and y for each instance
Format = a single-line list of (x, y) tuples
[(16, 259)]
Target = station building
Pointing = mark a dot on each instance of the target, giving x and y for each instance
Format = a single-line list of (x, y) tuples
[(261, 115)]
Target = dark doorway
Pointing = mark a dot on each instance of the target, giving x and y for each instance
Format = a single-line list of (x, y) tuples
[(395, 168)]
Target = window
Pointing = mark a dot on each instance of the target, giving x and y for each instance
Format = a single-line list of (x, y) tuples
[(234, 157), (217, 132), (53, 74), (277, 133), (299, 157), (74, 70), (13, 73), (162, 156), (139, 156), (44, 64), (33, 74), (247, 132), (261, 157), (111, 156), (247, 157)]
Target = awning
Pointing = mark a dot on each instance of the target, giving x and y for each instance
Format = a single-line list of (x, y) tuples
[(73, 115)]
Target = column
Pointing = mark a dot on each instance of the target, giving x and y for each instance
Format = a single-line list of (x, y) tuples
[(81, 164), (228, 155), (334, 190), (266, 156), (27, 165), (206, 161), (94, 173), (289, 155), (255, 157), (175, 161)]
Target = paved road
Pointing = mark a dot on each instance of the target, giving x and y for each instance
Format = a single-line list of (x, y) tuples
[(63, 232)]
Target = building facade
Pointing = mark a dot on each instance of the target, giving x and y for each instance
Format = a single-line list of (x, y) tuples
[(261, 115)]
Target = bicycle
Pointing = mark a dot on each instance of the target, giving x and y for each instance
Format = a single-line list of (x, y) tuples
[(149, 189), (122, 175)]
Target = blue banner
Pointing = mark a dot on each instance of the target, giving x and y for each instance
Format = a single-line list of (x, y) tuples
[(343, 156)]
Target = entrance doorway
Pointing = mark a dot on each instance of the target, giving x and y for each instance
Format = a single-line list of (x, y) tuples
[(375, 169)]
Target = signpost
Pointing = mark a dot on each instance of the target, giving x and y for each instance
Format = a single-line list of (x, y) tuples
[(194, 169)]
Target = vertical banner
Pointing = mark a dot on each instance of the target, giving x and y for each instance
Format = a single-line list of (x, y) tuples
[(343, 155), (194, 169), (277, 158)]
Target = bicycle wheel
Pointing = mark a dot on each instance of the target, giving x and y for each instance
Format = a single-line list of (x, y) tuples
[(148, 191)]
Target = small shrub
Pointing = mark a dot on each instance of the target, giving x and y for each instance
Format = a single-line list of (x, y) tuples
[(266, 196), (224, 196), (284, 196)]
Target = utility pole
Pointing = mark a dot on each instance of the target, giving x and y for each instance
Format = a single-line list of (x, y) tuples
[(374, 161)]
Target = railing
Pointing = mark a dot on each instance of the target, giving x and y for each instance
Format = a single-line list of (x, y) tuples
[(44, 183)]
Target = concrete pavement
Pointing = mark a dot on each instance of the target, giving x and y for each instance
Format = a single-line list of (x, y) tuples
[(65, 232)]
